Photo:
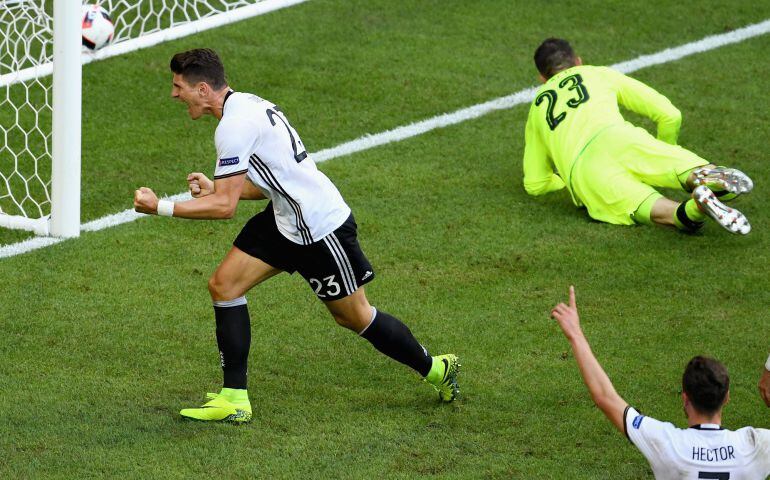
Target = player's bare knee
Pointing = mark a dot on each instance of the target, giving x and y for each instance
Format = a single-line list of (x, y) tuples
[(351, 321), (217, 288), (213, 287), (341, 319)]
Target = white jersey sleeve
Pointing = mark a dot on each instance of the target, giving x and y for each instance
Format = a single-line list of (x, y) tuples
[(647, 434), (235, 139)]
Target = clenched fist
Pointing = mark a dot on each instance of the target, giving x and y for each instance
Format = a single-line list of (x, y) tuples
[(199, 185), (145, 201)]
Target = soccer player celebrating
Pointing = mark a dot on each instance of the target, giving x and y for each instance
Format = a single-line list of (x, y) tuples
[(705, 449), (306, 227), (576, 138)]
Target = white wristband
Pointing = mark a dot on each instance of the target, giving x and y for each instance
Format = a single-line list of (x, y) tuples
[(767, 364), (165, 208)]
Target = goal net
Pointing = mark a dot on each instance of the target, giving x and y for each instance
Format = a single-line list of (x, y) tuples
[(31, 44)]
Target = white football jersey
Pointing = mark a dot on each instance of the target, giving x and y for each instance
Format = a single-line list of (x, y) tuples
[(699, 452), (254, 137)]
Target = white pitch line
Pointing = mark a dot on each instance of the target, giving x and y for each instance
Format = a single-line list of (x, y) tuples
[(123, 217), (526, 96), (407, 131)]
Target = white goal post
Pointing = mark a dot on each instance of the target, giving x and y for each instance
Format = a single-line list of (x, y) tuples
[(41, 62)]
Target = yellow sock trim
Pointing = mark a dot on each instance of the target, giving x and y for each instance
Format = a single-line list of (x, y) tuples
[(643, 213)]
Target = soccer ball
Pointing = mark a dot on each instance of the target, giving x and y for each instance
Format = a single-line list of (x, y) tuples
[(97, 27)]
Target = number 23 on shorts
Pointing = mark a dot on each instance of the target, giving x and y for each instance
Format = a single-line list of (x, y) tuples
[(331, 288)]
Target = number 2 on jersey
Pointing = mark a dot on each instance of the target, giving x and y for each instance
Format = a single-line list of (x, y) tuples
[(575, 83), (296, 144)]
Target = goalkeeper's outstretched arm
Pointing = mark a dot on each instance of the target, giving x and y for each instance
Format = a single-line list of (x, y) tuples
[(602, 392)]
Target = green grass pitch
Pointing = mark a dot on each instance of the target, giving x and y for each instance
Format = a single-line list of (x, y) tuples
[(106, 337)]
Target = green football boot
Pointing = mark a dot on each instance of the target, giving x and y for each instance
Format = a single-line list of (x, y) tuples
[(220, 408), (443, 376)]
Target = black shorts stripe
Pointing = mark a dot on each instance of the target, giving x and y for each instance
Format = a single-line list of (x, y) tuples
[(266, 175), (343, 273), (232, 174), (344, 256)]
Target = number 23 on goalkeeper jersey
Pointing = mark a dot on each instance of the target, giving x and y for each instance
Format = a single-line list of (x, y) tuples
[(575, 105)]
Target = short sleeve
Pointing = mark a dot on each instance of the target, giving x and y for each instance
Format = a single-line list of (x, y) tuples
[(235, 140), (646, 433)]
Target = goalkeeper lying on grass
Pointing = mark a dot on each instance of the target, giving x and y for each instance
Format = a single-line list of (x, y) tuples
[(576, 138)]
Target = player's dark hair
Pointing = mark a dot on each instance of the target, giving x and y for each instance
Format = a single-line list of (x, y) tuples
[(200, 65), (706, 382), (553, 56)]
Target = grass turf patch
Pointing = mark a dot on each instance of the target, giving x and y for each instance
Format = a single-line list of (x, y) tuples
[(108, 336)]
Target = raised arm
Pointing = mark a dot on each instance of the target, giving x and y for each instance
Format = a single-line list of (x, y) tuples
[(645, 100), (599, 385)]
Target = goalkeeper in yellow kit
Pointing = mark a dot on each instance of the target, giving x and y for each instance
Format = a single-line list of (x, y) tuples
[(576, 138)]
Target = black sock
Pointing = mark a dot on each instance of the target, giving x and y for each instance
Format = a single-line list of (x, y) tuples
[(233, 340), (391, 337), (682, 218)]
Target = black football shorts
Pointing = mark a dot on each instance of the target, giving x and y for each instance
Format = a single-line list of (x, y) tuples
[(334, 266)]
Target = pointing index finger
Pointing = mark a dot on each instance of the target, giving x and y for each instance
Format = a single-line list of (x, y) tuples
[(572, 297)]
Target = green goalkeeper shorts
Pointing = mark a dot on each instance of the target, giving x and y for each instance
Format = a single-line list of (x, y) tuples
[(620, 168)]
